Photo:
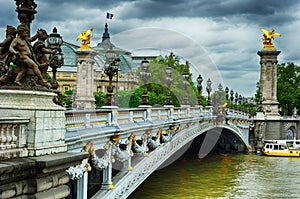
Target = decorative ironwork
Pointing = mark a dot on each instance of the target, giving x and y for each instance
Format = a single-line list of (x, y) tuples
[(145, 75), (208, 89), (169, 80), (54, 42), (227, 93), (112, 59), (199, 88), (185, 85)]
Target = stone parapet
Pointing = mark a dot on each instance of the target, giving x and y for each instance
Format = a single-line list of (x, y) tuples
[(43, 132), (44, 177)]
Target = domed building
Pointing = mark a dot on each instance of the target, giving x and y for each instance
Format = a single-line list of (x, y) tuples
[(124, 80)]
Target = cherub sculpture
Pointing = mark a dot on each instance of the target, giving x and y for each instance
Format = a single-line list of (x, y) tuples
[(42, 52), (268, 38), (85, 38), (24, 57), (5, 56)]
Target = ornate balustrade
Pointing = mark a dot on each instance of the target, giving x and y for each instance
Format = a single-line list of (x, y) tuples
[(13, 137)]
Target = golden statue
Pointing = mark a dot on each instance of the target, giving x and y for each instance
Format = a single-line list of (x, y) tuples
[(268, 38), (85, 38)]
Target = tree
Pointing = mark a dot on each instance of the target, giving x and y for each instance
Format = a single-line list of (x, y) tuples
[(100, 98), (288, 88), (67, 98)]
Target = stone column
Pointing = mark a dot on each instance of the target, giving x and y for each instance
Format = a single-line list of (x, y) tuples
[(268, 81), (84, 98)]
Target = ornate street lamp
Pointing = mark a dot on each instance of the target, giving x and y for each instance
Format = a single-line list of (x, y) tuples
[(208, 89), (145, 75), (169, 80), (227, 93), (199, 88), (54, 42), (240, 101), (236, 99), (111, 69), (185, 85), (231, 96), (220, 89)]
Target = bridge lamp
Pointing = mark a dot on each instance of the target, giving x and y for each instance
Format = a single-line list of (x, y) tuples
[(145, 75), (220, 89), (112, 62), (240, 99), (169, 80), (185, 85), (54, 42), (227, 93), (199, 88), (231, 96), (236, 99), (208, 89)]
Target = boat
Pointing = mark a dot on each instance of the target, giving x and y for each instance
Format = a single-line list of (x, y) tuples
[(280, 148)]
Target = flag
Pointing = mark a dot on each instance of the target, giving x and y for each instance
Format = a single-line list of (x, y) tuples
[(109, 15)]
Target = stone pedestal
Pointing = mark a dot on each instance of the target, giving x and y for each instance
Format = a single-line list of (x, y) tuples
[(268, 82), (44, 133), (84, 98)]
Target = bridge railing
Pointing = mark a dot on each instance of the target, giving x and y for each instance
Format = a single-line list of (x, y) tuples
[(13, 137), (81, 119)]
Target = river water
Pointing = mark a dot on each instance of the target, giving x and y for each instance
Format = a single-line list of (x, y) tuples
[(224, 176)]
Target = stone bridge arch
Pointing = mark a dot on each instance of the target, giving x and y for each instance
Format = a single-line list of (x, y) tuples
[(125, 182)]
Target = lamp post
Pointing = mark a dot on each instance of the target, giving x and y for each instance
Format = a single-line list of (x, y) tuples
[(185, 85), (199, 88), (112, 62), (169, 80), (236, 99), (208, 89), (54, 42), (220, 89), (240, 102), (231, 96), (227, 93), (145, 75)]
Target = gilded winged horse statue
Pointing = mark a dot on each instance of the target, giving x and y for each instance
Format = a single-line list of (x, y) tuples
[(268, 38), (85, 38)]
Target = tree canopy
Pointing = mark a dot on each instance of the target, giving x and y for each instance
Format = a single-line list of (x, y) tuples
[(288, 88)]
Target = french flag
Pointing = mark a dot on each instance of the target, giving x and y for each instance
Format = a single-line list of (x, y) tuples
[(109, 15)]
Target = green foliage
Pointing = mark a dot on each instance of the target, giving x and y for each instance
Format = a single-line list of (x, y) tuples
[(48, 78), (135, 98), (100, 99), (67, 98), (288, 88)]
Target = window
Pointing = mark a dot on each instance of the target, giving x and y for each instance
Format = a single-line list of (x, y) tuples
[(66, 88)]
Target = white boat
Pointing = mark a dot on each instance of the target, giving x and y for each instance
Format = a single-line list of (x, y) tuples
[(287, 148), (288, 143)]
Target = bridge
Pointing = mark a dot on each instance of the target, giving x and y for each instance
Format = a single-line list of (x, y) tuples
[(126, 145), (47, 152), (103, 153)]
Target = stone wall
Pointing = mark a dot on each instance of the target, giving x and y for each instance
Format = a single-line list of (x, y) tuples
[(44, 177)]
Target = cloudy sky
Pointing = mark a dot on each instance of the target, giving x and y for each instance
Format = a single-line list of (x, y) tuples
[(219, 38)]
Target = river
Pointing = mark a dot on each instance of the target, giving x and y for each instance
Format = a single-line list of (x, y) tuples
[(236, 175)]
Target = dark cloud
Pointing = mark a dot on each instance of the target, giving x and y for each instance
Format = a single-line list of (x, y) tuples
[(208, 8)]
